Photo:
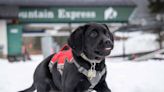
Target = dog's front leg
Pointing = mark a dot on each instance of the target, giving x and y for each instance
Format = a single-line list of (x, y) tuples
[(102, 87), (69, 83)]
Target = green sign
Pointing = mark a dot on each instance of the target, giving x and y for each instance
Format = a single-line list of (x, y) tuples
[(14, 36), (75, 14)]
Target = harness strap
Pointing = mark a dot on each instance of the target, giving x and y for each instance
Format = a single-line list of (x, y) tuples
[(50, 65), (94, 81), (81, 69)]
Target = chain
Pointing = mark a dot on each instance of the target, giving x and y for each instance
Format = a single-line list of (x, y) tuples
[(93, 65)]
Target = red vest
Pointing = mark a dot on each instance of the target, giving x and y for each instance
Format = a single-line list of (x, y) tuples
[(64, 54)]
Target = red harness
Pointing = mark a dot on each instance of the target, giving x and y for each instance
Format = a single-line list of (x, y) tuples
[(64, 54)]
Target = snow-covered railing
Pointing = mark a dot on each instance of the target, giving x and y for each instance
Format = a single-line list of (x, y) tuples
[(155, 54)]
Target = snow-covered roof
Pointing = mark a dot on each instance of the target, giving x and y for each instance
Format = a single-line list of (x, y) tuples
[(68, 2)]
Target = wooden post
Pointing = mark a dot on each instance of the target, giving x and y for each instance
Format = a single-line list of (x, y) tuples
[(160, 37)]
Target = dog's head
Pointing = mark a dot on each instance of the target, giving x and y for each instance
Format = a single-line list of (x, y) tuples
[(94, 40)]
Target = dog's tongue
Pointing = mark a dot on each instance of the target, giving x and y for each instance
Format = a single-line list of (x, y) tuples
[(107, 48)]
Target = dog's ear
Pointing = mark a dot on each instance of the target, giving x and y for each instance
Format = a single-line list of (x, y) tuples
[(111, 35), (76, 39)]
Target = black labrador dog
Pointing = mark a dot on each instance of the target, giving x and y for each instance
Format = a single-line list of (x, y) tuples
[(90, 44)]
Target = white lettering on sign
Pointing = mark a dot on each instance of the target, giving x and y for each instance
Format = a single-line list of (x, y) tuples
[(36, 14), (110, 13), (62, 13)]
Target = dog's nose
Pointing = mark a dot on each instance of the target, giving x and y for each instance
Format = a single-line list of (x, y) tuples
[(108, 43)]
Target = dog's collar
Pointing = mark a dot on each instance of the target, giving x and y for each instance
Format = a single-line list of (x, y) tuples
[(89, 60)]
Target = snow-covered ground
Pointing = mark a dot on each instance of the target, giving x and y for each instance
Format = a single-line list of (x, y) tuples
[(131, 76), (123, 76), (17, 75)]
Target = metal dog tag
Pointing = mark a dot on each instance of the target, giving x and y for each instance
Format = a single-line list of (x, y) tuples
[(91, 74)]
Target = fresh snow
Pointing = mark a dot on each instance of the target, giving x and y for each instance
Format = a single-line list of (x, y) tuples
[(122, 76), (132, 76), (17, 75)]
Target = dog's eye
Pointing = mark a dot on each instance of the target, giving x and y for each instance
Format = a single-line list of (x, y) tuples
[(107, 34), (93, 34)]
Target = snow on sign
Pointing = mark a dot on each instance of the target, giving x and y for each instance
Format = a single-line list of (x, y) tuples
[(14, 31)]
